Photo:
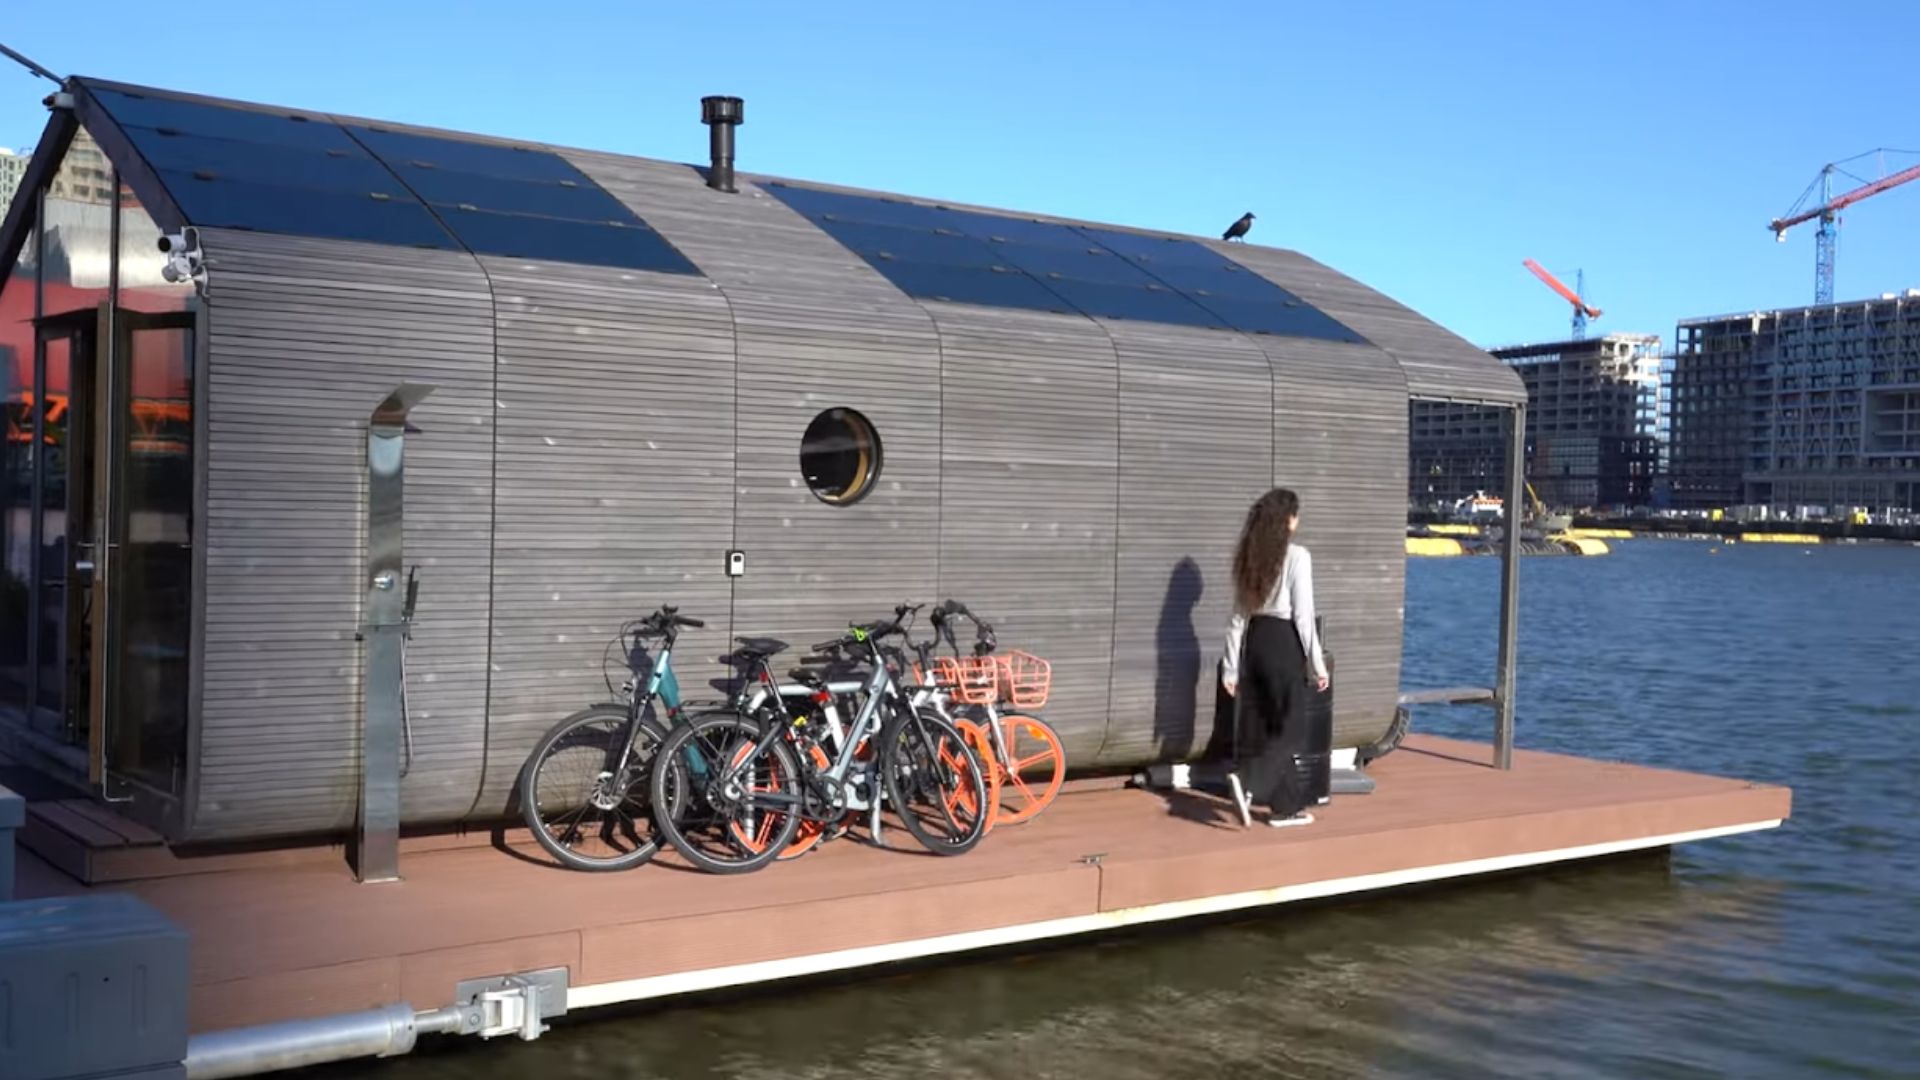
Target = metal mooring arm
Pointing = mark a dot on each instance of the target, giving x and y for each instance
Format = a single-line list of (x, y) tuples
[(383, 629)]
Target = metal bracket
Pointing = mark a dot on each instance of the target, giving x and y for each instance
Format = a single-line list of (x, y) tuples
[(511, 1004)]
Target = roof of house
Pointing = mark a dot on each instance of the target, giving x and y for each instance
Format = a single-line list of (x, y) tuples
[(231, 165)]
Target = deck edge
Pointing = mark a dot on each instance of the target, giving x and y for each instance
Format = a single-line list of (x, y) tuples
[(686, 982)]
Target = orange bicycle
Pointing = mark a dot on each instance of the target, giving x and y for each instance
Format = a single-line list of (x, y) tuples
[(1024, 751)]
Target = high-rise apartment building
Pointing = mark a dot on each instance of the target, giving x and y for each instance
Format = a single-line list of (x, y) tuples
[(1593, 428), (1812, 409), (13, 169)]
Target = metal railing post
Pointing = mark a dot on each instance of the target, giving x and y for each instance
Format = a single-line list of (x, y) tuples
[(383, 626), (1504, 680)]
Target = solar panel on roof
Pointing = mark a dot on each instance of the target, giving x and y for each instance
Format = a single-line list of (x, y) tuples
[(839, 206), (521, 203), (175, 115), (938, 253), (346, 170), (334, 215), (271, 172), (304, 175), (596, 243), (1241, 298), (404, 148), (974, 285)]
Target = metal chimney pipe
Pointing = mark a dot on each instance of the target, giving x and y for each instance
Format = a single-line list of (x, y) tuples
[(721, 115)]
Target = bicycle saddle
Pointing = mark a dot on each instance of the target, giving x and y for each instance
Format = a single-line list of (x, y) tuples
[(761, 647)]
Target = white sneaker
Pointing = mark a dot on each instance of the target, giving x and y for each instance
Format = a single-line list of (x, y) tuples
[(1241, 803), (1301, 818)]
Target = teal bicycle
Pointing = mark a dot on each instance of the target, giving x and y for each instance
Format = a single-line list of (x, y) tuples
[(584, 791)]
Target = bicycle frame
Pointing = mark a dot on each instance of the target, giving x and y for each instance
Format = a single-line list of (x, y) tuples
[(878, 687)]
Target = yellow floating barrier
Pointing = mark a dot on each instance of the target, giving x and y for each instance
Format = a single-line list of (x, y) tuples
[(1779, 538), (1454, 529), (1434, 546), (1600, 534), (1585, 545)]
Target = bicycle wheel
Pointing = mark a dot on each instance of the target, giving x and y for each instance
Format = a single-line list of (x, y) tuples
[(936, 783), (981, 742), (728, 819), (587, 808), (1035, 768), (808, 835)]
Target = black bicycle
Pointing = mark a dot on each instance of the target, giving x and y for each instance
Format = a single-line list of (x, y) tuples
[(583, 790), (777, 770)]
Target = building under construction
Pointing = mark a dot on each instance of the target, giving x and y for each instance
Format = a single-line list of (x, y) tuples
[(1593, 428), (1812, 411)]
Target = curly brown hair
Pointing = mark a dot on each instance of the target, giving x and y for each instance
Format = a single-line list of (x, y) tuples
[(1263, 548)]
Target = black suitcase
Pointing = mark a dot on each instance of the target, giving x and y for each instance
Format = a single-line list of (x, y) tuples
[(1315, 767)]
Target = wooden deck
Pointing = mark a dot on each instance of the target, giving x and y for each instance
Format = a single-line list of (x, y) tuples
[(301, 938)]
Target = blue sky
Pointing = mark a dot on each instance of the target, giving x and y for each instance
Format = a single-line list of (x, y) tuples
[(1424, 148)]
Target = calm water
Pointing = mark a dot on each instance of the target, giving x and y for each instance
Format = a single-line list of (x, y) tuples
[(1788, 953)]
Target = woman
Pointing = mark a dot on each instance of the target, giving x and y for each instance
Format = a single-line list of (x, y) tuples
[(1273, 656)]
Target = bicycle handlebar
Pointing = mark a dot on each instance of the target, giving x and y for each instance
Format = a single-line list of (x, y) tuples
[(984, 640), (865, 632), (663, 620)]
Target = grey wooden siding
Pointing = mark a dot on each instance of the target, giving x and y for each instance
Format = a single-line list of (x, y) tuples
[(1437, 362), (1340, 440), (614, 486), (1196, 448), (1029, 427), (815, 329), (306, 337), (599, 438)]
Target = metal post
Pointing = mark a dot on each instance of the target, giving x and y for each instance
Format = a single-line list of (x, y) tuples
[(1503, 687), (383, 627)]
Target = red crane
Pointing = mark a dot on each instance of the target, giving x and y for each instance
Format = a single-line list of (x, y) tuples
[(1829, 214), (1582, 311)]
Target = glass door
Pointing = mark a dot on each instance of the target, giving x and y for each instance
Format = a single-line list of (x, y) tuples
[(148, 584), (69, 535)]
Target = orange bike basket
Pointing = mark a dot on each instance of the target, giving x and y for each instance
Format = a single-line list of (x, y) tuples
[(1026, 679)]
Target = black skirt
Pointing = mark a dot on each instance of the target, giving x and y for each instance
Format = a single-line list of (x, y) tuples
[(1270, 726)]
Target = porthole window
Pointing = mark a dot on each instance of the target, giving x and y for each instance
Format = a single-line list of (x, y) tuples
[(840, 457)]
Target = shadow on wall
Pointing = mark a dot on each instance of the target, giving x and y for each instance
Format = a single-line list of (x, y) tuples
[(1177, 663), (1178, 675)]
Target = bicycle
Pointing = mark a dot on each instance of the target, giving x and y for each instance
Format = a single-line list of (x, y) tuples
[(609, 747), (1028, 759), (748, 810)]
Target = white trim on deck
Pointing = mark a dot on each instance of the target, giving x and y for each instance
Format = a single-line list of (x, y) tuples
[(685, 982)]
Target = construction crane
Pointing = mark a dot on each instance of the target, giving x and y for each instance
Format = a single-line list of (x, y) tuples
[(1582, 311), (1828, 211)]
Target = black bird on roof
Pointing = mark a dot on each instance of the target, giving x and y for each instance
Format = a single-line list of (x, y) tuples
[(1238, 230)]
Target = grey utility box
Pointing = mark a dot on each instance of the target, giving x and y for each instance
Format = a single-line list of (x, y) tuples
[(13, 814), (91, 986)]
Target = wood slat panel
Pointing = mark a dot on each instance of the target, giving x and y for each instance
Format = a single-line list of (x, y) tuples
[(1196, 448), (1029, 411), (307, 337), (614, 487), (815, 329), (1060, 472), (1340, 440)]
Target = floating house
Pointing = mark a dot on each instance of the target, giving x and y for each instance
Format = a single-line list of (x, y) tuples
[(264, 365), (779, 405)]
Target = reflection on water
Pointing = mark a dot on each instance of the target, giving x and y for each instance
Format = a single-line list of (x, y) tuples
[(1789, 953)]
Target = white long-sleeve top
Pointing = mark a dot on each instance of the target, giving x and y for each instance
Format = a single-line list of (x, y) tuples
[(1292, 599)]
